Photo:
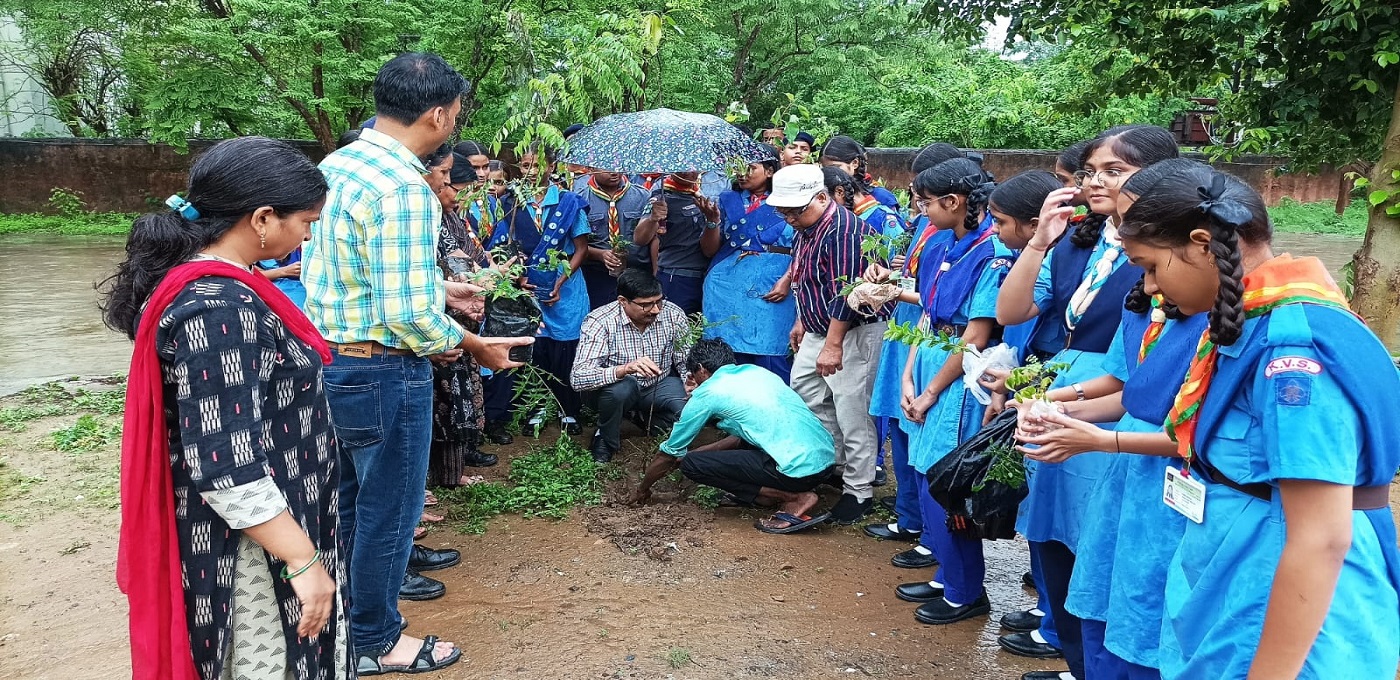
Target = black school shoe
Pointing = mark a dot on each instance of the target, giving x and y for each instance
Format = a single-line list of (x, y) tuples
[(496, 433), (599, 449), (1020, 622), (417, 587), (939, 612), (476, 458), (918, 592), (1022, 644), (426, 559), (1028, 581), (883, 532), (881, 477), (888, 504), (1041, 675), (913, 559), (848, 510)]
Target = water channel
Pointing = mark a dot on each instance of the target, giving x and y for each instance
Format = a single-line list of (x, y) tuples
[(50, 326)]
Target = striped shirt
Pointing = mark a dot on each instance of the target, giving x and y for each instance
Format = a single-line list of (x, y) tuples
[(370, 268), (823, 255), (609, 339)]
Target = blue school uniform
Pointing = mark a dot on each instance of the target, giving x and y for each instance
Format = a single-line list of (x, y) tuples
[(1129, 535), (1053, 508), (290, 286), (889, 375), (886, 198), (560, 219), (1293, 398), (884, 220), (755, 251), (966, 290)]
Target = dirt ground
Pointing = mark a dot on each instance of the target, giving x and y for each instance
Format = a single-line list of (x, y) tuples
[(670, 590)]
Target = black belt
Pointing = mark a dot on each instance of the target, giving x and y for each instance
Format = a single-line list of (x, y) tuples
[(1362, 497)]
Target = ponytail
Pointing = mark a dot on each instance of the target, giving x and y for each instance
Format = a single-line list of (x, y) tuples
[(228, 182), (836, 178)]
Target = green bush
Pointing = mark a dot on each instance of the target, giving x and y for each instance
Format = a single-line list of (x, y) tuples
[(79, 224), (1292, 217), (549, 481)]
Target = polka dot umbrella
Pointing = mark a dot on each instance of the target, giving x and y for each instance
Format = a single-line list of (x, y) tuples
[(662, 141)]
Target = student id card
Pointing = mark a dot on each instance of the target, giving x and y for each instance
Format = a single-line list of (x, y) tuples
[(907, 283), (1185, 495)]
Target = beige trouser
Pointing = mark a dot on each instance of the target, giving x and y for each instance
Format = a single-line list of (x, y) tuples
[(841, 401)]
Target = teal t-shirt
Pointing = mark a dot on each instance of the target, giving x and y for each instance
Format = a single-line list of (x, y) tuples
[(757, 406)]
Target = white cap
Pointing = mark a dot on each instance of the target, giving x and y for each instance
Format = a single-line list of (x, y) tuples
[(796, 185)]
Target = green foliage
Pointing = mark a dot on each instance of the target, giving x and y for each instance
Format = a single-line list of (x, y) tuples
[(85, 224), (546, 482), (1032, 381), (54, 399), (533, 397), (707, 497), (89, 434), (678, 657), (67, 202), (696, 326), (1008, 467), (1292, 217), (1314, 78), (915, 335)]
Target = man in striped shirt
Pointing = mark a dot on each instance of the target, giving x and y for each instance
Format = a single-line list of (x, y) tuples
[(376, 294), (630, 356), (837, 349)]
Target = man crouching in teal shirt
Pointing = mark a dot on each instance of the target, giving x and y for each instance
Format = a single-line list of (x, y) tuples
[(776, 453)]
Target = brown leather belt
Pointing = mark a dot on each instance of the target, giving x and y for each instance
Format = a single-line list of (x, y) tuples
[(366, 349)]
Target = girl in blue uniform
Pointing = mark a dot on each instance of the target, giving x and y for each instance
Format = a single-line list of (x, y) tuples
[(1128, 536), (957, 297), (849, 155), (549, 219), (926, 250), (1078, 284), (1290, 568), (747, 292)]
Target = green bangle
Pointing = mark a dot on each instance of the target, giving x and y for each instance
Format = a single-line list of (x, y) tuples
[(315, 557)]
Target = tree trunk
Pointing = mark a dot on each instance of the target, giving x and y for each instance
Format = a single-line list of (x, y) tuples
[(1377, 264)]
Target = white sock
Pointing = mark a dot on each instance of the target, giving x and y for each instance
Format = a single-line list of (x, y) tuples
[(1039, 639), (1066, 675), (1036, 612), (935, 584), (537, 419), (568, 420), (922, 550), (951, 603)]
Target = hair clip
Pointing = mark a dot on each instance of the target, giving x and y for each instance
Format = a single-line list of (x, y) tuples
[(183, 207)]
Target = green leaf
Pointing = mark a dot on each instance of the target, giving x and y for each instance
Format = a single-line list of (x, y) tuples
[(1378, 197)]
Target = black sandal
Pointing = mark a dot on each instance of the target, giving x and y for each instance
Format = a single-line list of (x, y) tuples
[(423, 663)]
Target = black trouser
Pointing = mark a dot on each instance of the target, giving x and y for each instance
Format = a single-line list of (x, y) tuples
[(1057, 564), (743, 472), (661, 402), (556, 357), (497, 392)]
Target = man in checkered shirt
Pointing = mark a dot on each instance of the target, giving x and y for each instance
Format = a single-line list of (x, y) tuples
[(630, 357)]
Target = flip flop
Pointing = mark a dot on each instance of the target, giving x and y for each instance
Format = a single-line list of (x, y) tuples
[(429, 500), (368, 665), (419, 532), (795, 522), (431, 518)]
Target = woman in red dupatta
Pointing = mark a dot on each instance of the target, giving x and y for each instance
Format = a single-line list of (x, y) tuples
[(229, 551)]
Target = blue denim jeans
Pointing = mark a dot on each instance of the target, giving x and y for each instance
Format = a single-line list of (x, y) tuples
[(381, 409)]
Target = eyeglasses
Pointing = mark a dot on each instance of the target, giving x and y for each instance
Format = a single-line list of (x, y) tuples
[(649, 306), (923, 203), (1109, 179), (794, 211)]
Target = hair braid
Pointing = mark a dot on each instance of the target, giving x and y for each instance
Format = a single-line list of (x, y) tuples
[(1138, 301), (977, 200), (1227, 317), (1086, 234)]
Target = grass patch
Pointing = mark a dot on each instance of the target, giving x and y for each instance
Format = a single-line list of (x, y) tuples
[(79, 224), (90, 433), (707, 497), (55, 399), (546, 482), (678, 657), (13, 483), (1292, 217)]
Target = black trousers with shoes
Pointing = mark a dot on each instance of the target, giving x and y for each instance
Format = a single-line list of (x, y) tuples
[(743, 472), (662, 402)]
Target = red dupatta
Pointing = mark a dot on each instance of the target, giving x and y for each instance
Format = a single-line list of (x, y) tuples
[(148, 553)]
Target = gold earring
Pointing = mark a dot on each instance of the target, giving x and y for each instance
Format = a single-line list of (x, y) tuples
[(262, 239)]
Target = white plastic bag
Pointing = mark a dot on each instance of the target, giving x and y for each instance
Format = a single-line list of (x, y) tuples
[(975, 363)]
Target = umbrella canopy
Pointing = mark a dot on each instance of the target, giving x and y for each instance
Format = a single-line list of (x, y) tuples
[(662, 141)]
